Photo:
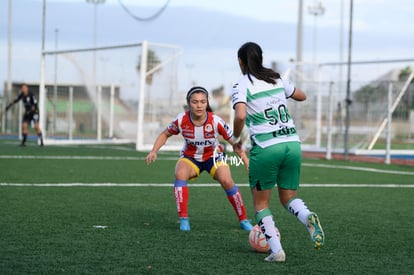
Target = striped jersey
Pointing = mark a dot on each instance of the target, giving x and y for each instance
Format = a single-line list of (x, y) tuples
[(267, 110), (200, 142)]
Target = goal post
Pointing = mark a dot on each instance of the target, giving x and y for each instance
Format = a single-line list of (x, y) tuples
[(111, 94), (145, 73), (322, 116)]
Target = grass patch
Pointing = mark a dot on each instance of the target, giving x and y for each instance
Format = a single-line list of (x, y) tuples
[(51, 230)]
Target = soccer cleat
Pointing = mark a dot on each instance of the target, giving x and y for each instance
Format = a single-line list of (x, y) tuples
[(315, 230), (276, 257), (246, 225), (184, 224)]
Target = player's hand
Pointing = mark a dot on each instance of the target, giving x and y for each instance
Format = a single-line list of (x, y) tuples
[(8, 106), (151, 157), (237, 147), (245, 160)]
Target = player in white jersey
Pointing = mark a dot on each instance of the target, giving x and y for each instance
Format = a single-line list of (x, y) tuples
[(260, 102), (201, 128)]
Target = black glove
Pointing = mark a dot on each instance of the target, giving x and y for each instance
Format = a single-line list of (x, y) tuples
[(8, 106)]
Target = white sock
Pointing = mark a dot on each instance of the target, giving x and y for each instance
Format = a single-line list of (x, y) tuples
[(298, 208), (268, 228)]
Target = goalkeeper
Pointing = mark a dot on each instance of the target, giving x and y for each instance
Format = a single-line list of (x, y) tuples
[(31, 113)]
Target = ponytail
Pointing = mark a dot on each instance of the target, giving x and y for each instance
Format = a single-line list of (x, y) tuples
[(251, 57)]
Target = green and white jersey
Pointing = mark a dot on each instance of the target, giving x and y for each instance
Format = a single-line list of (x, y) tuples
[(268, 118)]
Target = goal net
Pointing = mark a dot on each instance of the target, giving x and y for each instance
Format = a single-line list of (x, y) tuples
[(122, 93), (380, 92)]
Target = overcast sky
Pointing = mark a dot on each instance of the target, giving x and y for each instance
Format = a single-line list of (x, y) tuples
[(210, 32)]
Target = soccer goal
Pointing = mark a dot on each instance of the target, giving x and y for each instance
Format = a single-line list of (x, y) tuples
[(112, 94), (380, 108)]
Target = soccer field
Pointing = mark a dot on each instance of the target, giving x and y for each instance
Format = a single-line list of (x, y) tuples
[(101, 209)]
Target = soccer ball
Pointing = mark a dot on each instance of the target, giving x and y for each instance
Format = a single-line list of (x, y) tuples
[(258, 241)]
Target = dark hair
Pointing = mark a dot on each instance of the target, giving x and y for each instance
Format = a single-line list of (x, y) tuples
[(251, 56), (196, 90)]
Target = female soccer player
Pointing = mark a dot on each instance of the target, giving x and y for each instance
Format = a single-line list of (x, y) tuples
[(260, 100), (200, 128), (31, 113)]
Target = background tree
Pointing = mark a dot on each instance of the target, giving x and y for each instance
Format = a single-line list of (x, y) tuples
[(152, 62)]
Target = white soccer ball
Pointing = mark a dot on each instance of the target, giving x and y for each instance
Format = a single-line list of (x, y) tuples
[(258, 241)]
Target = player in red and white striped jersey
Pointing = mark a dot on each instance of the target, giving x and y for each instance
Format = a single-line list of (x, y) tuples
[(200, 128), (200, 141)]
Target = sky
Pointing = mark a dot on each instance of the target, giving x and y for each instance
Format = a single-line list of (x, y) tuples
[(210, 32)]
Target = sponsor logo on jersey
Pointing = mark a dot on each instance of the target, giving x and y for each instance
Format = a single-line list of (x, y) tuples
[(200, 143)]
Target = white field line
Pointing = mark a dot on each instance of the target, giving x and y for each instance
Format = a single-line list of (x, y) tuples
[(74, 184), (355, 168), (81, 157), (329, 166)]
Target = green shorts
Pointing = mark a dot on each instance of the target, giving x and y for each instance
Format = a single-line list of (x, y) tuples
[(277, 164)]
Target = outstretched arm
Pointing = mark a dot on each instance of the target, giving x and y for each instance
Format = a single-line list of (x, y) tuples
[(11, 104), (159, 142)]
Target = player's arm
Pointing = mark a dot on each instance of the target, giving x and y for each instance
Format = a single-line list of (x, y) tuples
[(226, 133), (9, 106), (298, 95), (239, 119), (12, 103), (240, 113), (238, 125), (242, 154), (292, 91), (238, 149), (159, 142)]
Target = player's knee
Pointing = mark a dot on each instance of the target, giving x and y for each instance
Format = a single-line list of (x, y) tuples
[(227, 183)]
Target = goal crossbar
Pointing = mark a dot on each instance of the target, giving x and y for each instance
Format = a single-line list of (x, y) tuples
[(145, 72)]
